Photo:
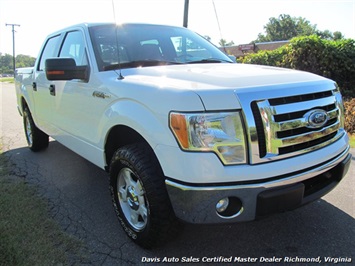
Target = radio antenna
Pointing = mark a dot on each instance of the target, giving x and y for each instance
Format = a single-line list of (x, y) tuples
[(219, 26), (120, 77)]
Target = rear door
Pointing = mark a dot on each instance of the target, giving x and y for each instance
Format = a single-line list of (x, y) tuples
[(43, 98)]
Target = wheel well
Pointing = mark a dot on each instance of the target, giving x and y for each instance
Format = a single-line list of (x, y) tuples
[(23, 104), (120, 136)]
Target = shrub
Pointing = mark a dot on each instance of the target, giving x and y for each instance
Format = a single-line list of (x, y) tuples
[(350, 115), (331, 59)]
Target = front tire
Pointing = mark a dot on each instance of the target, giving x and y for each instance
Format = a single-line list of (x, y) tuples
[(37, 140), (139, 196)]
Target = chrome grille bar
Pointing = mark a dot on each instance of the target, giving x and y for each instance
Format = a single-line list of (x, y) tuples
[(285, 108), (301, 138), (297, 124), (301, 122)]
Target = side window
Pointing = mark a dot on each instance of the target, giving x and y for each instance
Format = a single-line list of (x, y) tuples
[(74, 47), (48, 51)]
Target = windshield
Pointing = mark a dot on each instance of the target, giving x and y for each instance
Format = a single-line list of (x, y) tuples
[(148, 45)]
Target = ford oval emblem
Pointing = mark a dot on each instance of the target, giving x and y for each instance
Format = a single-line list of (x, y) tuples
[(316, 118)]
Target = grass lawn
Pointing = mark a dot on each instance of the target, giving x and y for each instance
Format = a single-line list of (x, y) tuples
[(9, 80), (352, 141), (28, 235)]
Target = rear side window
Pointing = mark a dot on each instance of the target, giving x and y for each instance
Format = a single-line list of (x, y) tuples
[(48, 51)]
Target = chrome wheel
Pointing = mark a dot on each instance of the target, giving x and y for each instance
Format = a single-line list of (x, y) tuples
[(139, 196), (37, 140), (28, 129), (131, 197)]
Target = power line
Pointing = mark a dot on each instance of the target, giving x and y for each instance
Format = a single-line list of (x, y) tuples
[(219, 26), (13, 43)]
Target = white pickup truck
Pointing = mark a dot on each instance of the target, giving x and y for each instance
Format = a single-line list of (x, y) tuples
[(185, 133)]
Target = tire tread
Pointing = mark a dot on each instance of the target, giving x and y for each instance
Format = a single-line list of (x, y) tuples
[(163, 225)]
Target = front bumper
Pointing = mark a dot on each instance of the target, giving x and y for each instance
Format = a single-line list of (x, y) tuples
[(197, 203)]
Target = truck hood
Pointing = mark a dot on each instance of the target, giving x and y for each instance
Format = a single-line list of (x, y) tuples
[(219, 81)]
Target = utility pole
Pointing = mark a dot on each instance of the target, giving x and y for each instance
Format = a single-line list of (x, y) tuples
[(13, 44), (186, 13)]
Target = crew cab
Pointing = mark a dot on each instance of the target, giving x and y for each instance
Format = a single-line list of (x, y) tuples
[(185, 133)]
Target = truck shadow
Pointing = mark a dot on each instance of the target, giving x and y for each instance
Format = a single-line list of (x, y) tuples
[(79, 200), (319, 229)]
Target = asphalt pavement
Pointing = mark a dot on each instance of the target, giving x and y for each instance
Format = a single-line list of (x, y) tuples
[(79, 200)]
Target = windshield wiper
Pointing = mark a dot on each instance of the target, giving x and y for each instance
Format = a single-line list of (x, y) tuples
[(140, 63), (209, 60)]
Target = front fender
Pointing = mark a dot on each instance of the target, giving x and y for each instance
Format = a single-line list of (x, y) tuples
[(151, 125)]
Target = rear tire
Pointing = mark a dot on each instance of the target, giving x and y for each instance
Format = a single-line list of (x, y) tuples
[(37, 140), (139, 196)]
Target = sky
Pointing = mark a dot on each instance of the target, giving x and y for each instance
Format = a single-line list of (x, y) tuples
[(240, 21)]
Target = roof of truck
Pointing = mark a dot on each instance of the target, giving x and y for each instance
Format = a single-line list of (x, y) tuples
[(94, 24)]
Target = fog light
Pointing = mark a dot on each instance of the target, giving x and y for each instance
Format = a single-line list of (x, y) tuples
[(228, 208), (222, 205)]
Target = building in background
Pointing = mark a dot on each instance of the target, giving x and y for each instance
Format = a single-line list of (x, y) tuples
[(242, 49)]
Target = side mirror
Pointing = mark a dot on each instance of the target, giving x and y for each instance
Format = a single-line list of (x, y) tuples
[(65, 69)]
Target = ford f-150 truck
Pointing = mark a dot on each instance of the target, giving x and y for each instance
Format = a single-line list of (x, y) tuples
[(185, 133)]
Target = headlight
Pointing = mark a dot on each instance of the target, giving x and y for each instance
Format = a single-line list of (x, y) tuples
[(222, 133)]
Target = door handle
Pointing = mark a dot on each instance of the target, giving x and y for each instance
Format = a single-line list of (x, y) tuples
[(34, 86), (52, 89)]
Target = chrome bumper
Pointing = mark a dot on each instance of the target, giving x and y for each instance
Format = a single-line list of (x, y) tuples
[(197, 203)]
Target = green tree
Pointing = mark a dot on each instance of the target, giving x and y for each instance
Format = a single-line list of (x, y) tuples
[(328, 35), (6, 63), (24, 61), (225, 43), (286, 27), (337, 35)]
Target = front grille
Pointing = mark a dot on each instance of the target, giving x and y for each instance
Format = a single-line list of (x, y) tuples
[(288, 126)]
